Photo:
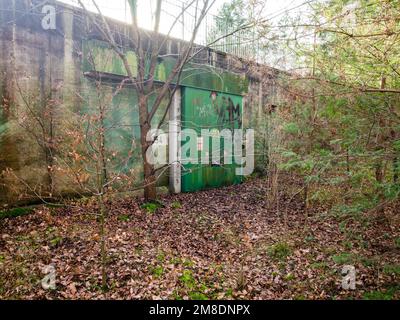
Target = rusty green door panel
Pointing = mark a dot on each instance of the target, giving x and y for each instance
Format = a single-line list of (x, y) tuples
[(203, 109)]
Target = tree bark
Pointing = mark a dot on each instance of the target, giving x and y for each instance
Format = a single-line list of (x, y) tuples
[(150, 191)]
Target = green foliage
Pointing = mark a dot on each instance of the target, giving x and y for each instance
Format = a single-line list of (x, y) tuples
[(309, 238), (343, 258), (151, 207), (392, 269), (354, 210), (234, 16), (296, 162), (319, 265), (279, 251), (176, 295), (161, 256), (187, 279), (198, 296), (124, 217), (335, 134), (56, 241), (397, 242), (195, 290), (176, 205), (16, 212), (291, 128), (368, 262), (229, 292), (188, 263), (381, 295), (289, 277), (157, 271)]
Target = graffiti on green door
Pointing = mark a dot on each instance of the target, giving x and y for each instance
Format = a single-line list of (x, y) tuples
[(215, 112)]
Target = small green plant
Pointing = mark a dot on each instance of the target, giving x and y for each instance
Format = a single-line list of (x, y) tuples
[(2, 258), (348, 244), (50, 230), (56, 241), (187, 279), (188, 263), (397, 242), (368, 262), (176, 205), (138, 250), (279, 251), (176, 295), (392, 269), (309, 238), (289, 277), (15, 212), (381, 295), (150, 207), (197, 296), (175, 260), (161, 256), (157, 271), (124, 217), (94, 284), (319, 265), (343, 258), (229, 292), (386, 236)]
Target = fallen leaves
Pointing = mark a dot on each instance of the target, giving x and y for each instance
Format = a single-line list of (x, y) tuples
[(218, 244)]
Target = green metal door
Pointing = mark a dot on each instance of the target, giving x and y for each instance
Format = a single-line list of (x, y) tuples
[(212, 111)]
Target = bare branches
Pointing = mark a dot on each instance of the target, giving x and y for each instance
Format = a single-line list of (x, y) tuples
[(347, 85)]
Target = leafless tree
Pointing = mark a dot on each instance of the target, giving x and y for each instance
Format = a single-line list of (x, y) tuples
[(144, 81)]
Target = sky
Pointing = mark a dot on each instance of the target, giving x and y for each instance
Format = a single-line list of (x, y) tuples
[(118, 9)]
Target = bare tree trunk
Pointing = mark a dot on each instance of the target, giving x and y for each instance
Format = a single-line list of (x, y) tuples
[(347, 187), (102, 189), (50, 166), (103, 252), (379, 175), (395, 161), (150, 190)]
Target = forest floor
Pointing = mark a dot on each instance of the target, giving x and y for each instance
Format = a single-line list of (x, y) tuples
[(216, 244)]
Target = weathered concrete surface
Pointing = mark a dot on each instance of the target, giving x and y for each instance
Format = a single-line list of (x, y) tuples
[(44, 93), (35, 65)]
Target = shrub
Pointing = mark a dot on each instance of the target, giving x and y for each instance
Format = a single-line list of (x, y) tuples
[(279, 251)]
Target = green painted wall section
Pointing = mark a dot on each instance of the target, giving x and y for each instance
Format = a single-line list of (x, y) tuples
[(99, 53), (122, 126), (98, 56), (206, 77), (203, 109)]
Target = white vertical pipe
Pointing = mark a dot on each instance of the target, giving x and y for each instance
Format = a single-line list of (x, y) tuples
[(174, 144)]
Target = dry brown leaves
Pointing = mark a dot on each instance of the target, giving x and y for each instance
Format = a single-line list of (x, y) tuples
[(217, 244)]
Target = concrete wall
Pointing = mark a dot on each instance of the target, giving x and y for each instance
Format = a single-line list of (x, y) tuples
[(44, 94), (35, 65)]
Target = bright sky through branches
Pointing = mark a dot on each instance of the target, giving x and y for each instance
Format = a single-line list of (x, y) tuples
[(118, 9)]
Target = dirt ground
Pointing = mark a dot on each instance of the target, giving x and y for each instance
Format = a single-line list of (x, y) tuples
[(217, 244)]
